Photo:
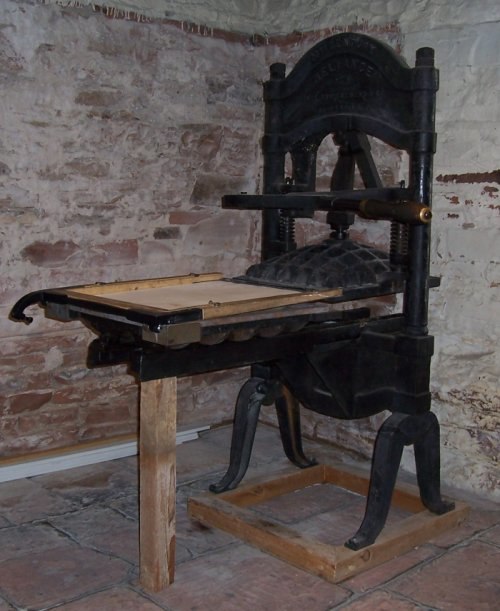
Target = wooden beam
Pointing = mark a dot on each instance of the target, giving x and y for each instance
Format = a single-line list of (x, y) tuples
[(139, 285), (157, 482), (229, 512)]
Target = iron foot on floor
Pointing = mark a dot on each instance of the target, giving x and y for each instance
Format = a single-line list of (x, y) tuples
[(397, 431), (255, 392), (250, 398)]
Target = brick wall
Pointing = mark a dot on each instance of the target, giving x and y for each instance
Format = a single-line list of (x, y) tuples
[(117, 140)]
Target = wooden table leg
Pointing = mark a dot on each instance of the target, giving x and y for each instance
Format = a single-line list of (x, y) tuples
[(157, 482)]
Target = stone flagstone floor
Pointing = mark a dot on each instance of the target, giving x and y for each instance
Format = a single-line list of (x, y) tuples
[(69, 541)]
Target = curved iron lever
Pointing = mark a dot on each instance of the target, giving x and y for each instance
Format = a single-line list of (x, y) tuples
[(17, 312)]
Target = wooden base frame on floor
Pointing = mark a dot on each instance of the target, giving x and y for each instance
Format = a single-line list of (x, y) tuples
[(228, 511)]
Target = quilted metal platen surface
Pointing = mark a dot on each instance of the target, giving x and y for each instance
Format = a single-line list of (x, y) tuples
[(332, 263)]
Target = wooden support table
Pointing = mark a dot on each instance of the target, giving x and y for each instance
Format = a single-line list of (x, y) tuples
[(158, 406), (171, 327), (163, 316)]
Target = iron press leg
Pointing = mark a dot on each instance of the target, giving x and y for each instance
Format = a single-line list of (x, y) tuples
[(250, 398), (288, 411), (255, 392), (397, 431)]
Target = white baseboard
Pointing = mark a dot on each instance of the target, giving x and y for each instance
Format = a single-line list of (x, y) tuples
[(80, 458)]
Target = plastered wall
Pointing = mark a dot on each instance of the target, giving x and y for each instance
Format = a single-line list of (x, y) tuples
[(118, 138)]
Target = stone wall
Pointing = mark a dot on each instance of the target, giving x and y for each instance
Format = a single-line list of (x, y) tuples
[(464, 311), (118, 139)]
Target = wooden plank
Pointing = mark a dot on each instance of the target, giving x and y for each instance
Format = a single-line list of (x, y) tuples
[(405, 496), (151, 283), (265, 534), (217, 310), (214, 298), (252, 494), (331, 562), (157, 482), (396, 539)]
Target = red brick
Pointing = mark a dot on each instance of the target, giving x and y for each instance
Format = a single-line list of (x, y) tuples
[(20, 445), (107, 431), (46, 254), (113, 412), (97, 97), (188, 217), (29, 401), (87, 167), (11, 363), (48, 419), (122, 252)]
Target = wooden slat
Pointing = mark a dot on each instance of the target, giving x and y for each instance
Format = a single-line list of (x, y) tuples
[(157, 482), (405, 496), (331, 562), (263, 303), (397, 539), (212, 296), (136, 285), (265, 534), (252, 494)]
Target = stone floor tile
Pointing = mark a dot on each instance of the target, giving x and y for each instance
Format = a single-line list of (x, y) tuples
[(127, 505), (3, 521), (4, 606), (115, 599), (20, 540), (267, 447), (244, 579), (305, 503), (467, 577), (476, 521), (197, 487), (122, 542), (25, 500), (333, 527), (80, 517), (491, 536), (42, 579), (90, 484), (94, 520), (196, 458), (196, 538), (103, 529), (381, 601), (336, 526), (381, 574)]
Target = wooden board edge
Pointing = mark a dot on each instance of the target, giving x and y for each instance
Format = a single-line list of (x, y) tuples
[(335, 563), (265, 534), (397, 539), (231, 308), (135, 285), (405, 496), (277, 485)]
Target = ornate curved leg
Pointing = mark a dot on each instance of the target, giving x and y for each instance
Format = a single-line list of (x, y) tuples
[(399, 430), (288, 411), (250, 398), (385, 465), (428, 466)]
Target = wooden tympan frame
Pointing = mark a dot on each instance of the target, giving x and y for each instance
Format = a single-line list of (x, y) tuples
[(207, 296), (228, 511)]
